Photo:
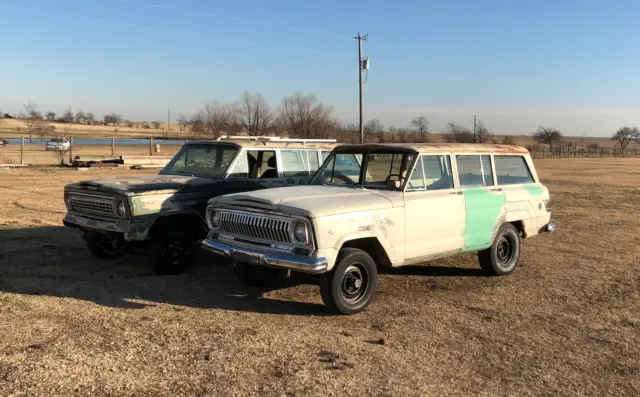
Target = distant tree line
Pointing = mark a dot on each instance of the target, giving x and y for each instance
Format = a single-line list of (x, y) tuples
[(301, 116)]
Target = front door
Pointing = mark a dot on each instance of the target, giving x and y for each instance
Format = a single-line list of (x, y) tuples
[(484, 201), (434, 209)]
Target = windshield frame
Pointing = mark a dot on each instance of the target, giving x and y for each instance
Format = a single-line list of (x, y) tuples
[(166, 170), (365, 151)]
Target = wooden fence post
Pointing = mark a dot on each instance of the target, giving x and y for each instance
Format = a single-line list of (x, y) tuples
[(22, 151), (151, 146), (71, 150), (113, 146)]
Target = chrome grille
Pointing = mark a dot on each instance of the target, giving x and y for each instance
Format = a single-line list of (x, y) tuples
[(92, 204), (255, 226)]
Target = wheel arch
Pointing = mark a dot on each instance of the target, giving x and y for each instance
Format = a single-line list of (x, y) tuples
[(191, 221), (372, 246)]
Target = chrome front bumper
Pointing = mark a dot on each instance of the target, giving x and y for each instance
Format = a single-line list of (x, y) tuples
[(303, 264)]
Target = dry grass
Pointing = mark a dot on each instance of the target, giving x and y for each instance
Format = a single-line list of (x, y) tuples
[(565, 323)]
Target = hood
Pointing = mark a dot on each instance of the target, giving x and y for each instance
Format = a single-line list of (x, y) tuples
[(309, 200), (144, 184)]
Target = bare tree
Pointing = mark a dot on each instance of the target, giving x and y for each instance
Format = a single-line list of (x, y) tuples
[(254, 113), (81, 118), (217, 118), (68, 117), (197, 122), (508, 140), (625, 135), (421, 124), (303, 116), (155, 124), (89, 117), (375, 129), (547, 136), (349, 133), (51, 116), (457, 133), (113, 119), (183, 121), (482, 132), (42, 130), (31, 117)]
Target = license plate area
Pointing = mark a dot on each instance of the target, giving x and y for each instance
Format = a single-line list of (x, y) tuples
[(247, 257)]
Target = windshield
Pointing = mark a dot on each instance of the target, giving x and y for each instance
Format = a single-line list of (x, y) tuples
[(379, 169), (206, 160)]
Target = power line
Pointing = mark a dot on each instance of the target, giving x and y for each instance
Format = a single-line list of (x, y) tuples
[(154, 28), (235, 19)]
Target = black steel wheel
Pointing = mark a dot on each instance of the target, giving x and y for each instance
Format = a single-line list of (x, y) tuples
[(349, 287), (172, 252), (104, 245), (503, 255)]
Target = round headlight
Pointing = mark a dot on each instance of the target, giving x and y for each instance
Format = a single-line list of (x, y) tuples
[(300, 233), (121, 208), (214, 219)]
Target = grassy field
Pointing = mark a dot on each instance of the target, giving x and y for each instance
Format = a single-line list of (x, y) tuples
[(566, 323)]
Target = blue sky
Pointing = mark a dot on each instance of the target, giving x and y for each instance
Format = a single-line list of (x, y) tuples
[(570, 64)]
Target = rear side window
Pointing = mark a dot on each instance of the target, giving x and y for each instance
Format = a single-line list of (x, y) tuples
[(512, 170), (294, 163), (474, 170)]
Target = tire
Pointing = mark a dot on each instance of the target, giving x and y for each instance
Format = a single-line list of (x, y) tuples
[(104, 246), (502, 257), (172, 252), (349, 287), (255, 276)]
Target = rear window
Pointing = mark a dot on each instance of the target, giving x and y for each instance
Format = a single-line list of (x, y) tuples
[(474, 170), (512, 170)]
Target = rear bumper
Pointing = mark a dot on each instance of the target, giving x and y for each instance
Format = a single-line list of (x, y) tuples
[(303, 264), (548, 228)]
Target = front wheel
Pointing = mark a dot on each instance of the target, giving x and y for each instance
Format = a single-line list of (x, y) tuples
[(103, 245), (502, 257), (350, 286), (171, 252)]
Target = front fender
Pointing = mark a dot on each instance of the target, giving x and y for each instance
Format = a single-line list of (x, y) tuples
[(386, 225)]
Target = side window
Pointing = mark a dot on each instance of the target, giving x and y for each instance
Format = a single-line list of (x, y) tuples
[(437, 172), (294, 163), (241, 167), (512, 170), (417, 178), (343, 169), (313, 160), (474, 170), (325, 154)]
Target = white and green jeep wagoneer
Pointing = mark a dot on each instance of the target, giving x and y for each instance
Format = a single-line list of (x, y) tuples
[(384, 205)]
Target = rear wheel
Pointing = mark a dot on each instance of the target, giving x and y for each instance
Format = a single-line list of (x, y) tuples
[(255, 276), (349, 287), (102, 245), (502, 257)]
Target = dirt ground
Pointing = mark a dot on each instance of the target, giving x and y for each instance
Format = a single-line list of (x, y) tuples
[(566, 323)]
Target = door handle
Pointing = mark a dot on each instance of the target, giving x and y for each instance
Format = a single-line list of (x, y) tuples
[(458, 193), (497, 189)]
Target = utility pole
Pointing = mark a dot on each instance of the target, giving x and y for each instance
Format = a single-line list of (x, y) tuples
[(474, 128), (361, 66)]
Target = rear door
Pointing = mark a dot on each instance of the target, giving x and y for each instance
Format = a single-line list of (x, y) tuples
[(484, 200)]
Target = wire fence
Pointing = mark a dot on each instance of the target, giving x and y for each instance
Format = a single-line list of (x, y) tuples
[(35, 152), (573, 150)]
